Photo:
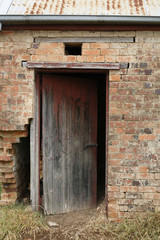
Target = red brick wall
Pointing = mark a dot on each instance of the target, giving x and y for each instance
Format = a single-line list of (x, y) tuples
[(7, 164), (134, 110)]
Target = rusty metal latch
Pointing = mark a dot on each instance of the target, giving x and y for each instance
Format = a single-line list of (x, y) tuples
[(90, 145)]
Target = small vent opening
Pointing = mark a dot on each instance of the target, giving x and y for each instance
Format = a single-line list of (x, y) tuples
[(73, 48)]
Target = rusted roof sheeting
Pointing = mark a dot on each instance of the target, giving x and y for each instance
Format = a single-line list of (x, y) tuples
[(59, 7), (85, 7)]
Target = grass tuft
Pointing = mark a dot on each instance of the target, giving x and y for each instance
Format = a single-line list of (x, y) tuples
[(17, 220), (139, 228)]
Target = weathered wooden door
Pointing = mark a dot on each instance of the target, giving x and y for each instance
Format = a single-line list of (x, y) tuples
[(69, 136)]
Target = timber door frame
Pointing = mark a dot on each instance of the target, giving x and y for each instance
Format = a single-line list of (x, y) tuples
[(35, 123)]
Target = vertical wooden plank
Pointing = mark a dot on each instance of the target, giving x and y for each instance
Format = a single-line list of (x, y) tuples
[(69, 122), (47, 151), (35, 148)]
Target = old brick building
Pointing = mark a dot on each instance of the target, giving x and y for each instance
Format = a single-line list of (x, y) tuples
[(111, 52)]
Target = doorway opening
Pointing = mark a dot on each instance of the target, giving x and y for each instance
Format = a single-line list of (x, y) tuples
[(101, 128), (21, 153), (100, 78)]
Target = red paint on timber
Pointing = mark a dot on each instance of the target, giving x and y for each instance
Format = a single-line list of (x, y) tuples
[(78, 99), (83, 27)]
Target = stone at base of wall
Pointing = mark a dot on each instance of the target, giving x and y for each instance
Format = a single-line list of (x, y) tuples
[(11, 196), (3, 203)]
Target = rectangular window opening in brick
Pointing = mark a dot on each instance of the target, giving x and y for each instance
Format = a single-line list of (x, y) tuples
[(73, 48)]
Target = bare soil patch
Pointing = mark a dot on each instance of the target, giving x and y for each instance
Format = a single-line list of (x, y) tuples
[(71, 225)]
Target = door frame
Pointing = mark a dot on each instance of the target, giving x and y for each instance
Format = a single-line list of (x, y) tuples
[(35, 123)]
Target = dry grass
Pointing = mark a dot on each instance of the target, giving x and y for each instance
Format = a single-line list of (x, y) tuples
[(16, 222), (136, 229)]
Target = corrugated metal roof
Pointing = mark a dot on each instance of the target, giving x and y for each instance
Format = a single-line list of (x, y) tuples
[(4, 6), (81, 7)]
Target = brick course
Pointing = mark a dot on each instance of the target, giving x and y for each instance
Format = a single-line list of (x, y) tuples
[(134, 110)]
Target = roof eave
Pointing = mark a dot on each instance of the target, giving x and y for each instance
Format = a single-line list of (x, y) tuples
[(79, 19)]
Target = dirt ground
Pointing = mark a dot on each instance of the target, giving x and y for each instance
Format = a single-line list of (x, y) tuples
[(68, 226), (79, 218)]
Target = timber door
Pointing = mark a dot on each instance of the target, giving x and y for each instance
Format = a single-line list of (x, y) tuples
[(69, 141)]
